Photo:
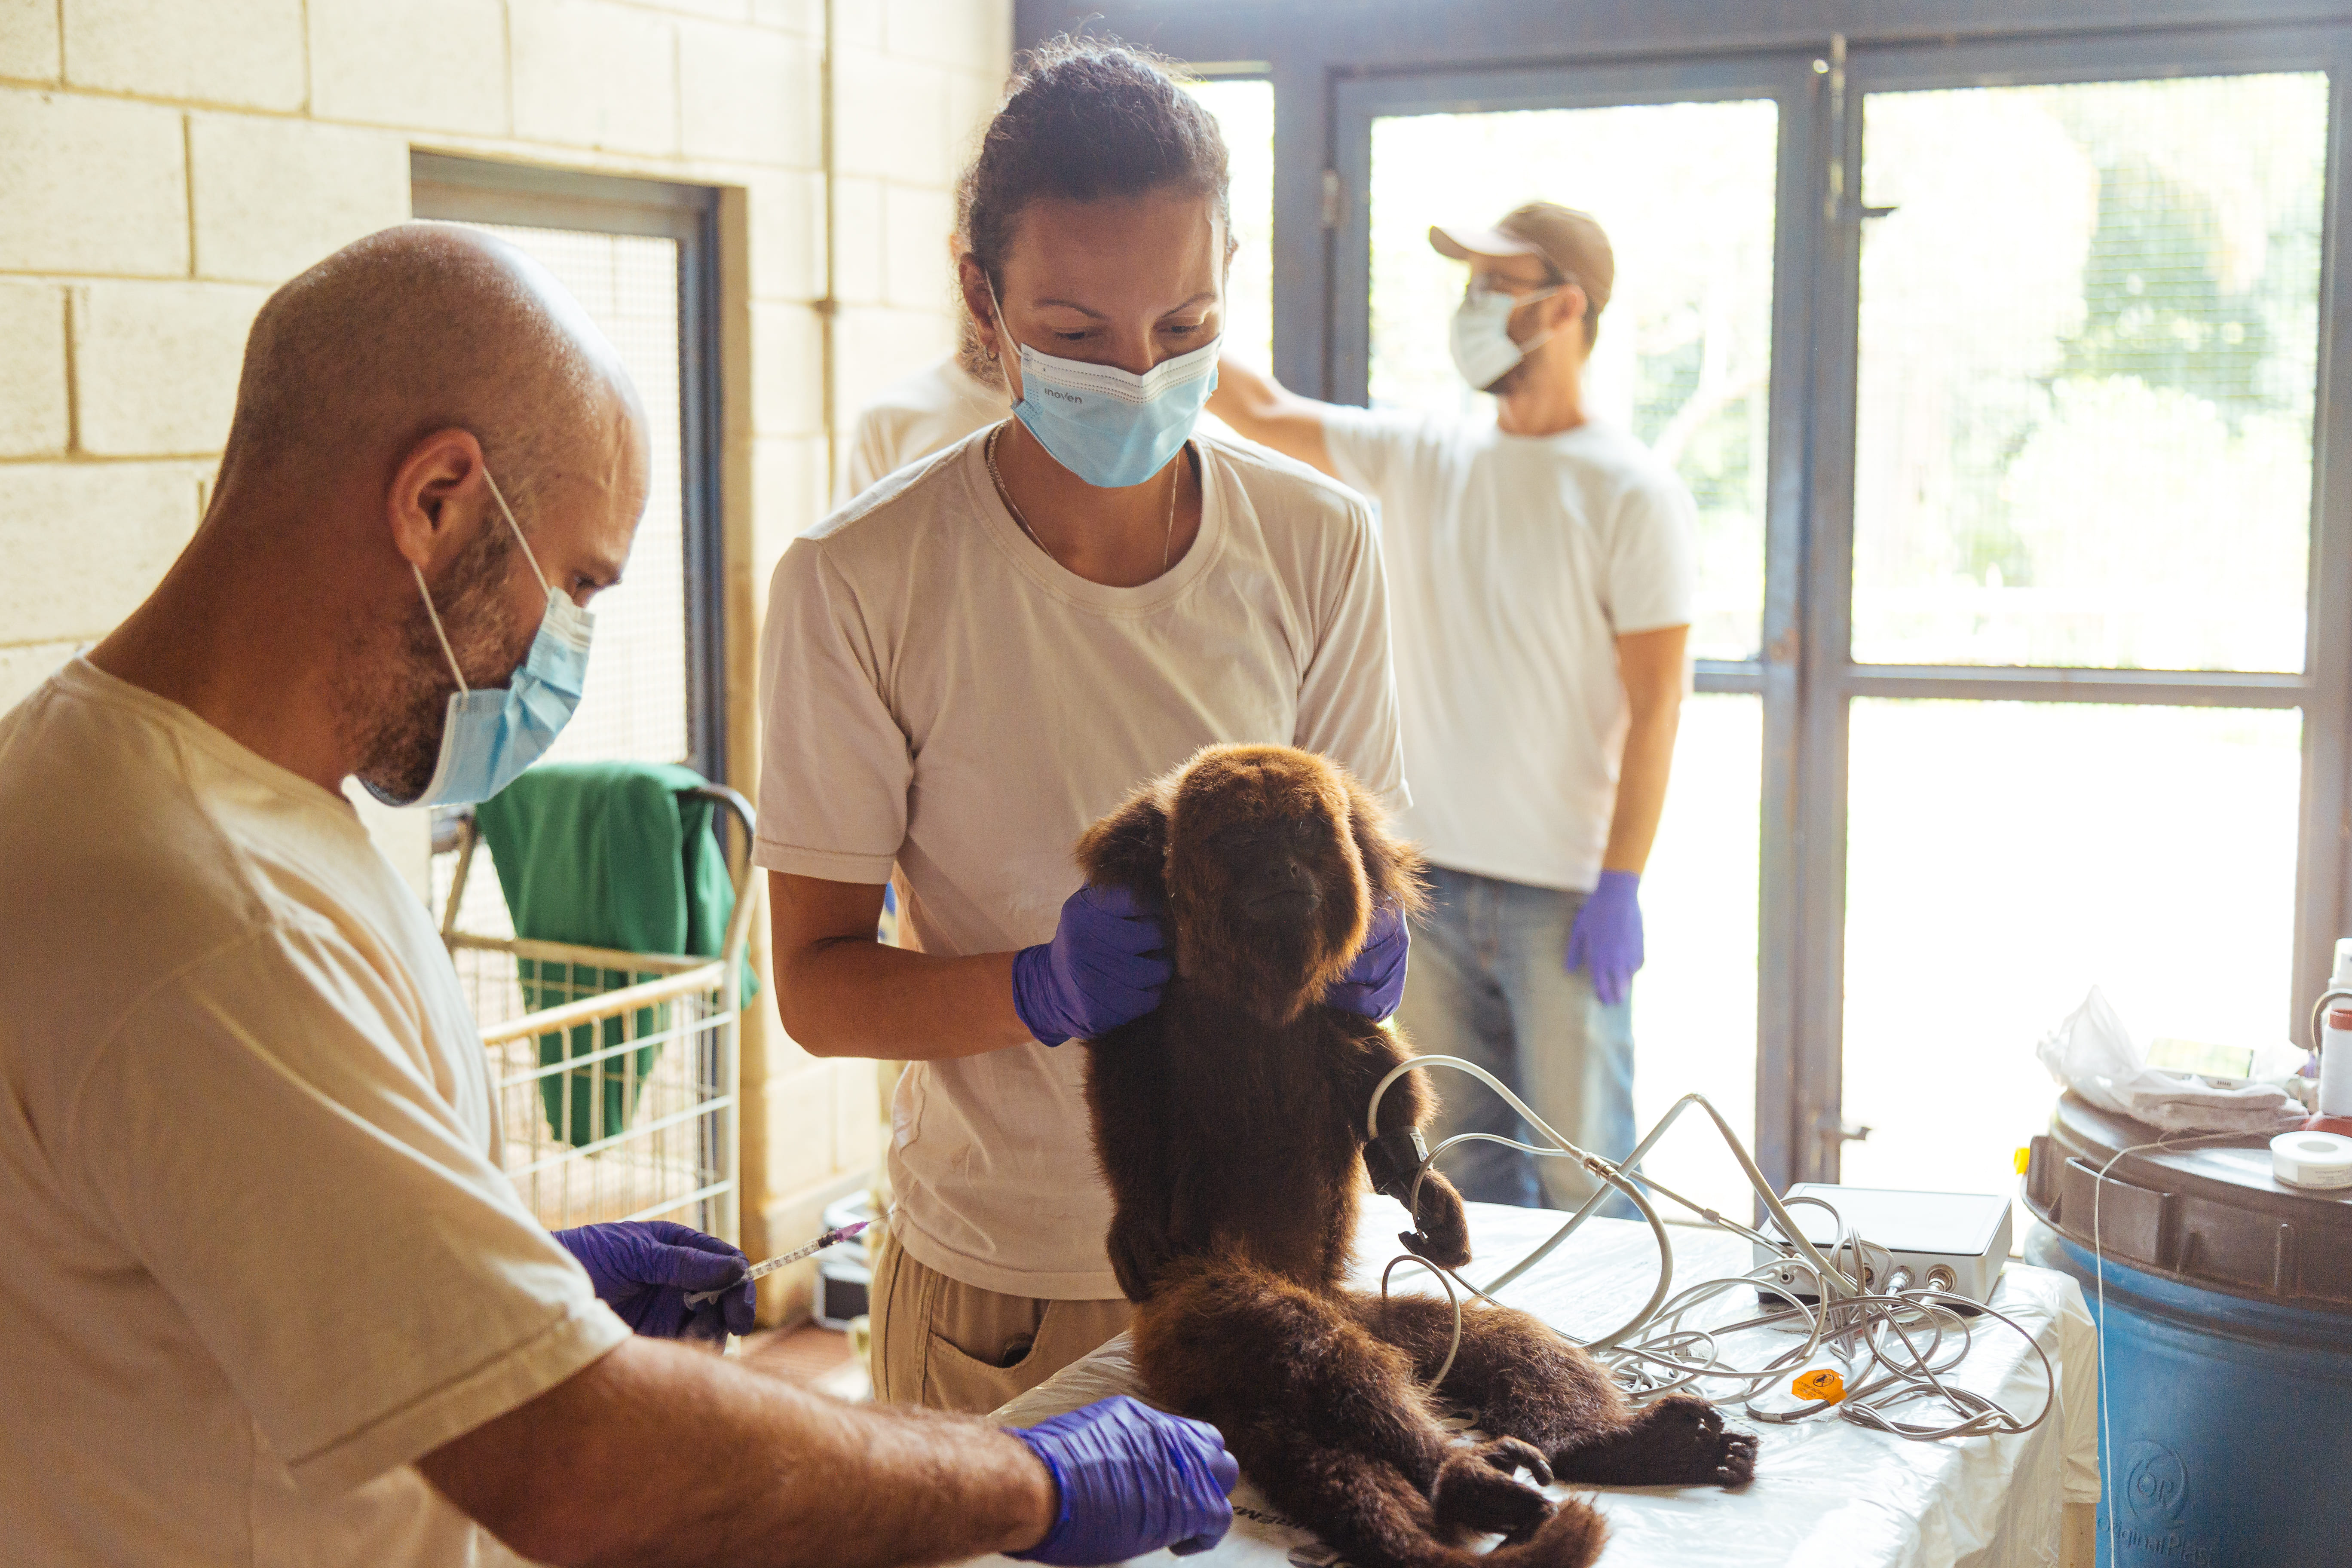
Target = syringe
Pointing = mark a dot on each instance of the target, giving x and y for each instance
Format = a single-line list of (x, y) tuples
[(830, 1239)]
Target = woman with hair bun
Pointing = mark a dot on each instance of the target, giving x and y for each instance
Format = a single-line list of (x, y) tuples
[(980, 656)]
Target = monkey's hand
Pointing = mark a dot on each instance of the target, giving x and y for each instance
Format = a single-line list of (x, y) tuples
[(1443, 1238)]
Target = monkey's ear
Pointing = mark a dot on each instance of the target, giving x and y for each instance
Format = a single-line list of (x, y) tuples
[(1128, 849), (1393, 868)]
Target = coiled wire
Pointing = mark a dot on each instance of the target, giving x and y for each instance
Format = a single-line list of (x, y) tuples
[(1894, 1346)]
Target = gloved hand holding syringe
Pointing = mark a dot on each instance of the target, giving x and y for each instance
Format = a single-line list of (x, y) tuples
[(830, 1239)]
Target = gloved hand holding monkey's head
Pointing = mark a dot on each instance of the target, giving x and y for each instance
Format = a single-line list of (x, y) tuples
[(1271, 866)]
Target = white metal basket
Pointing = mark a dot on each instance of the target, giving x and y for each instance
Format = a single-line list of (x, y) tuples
[(614, 1103)]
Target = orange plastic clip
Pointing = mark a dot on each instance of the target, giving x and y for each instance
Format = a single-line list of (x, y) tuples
[(1821, 1385)]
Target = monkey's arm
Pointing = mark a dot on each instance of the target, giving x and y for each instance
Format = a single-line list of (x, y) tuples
[(1125, 1091), (1442, 1230)]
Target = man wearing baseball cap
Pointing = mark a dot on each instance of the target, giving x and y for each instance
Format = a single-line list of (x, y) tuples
[(1541, 565)]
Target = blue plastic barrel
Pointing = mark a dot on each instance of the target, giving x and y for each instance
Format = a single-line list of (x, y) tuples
[(2225, 1345), (2228, 1429)]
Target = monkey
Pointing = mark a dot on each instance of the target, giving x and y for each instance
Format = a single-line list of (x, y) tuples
[(1230, 1125)]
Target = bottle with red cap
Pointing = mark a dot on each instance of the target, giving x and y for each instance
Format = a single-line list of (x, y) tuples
[(2335, 1075)]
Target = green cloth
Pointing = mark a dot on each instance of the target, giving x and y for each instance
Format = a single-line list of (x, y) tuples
[(617, 854)]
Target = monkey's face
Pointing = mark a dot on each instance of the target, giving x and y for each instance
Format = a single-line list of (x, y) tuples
[(1270, 861)]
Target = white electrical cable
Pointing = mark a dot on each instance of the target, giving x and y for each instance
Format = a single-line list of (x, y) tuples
[(1869, 1332)]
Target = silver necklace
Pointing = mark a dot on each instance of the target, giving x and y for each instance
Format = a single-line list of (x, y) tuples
[(1166, 535)]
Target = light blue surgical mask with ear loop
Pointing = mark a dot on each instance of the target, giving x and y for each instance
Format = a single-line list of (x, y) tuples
[(491, 735), (1111, 427)]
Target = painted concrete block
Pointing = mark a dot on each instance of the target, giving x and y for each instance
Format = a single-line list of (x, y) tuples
[(275, 196), (750, 96), (786, 218), (877, 346), (246, 54), (790, 493), (801, 1127), (805, 18), (34, 416), (28, 40), (56, 150), (155, 365), (891, 118), (85, 542), (972, 98), (967, 34), (919, 221), (861, 245), (595, 75), (438, 65), (787, 371)]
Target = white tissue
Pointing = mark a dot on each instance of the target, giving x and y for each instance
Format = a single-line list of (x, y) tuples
[(2093, 1054)]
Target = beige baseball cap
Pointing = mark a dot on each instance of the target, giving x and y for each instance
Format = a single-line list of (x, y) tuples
[(1572, 241)]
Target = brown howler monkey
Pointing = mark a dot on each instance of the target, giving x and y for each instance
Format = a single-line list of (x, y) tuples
[(1231, 1124)]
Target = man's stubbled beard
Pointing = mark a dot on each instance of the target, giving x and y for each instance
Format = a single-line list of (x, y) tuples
[(402, 712)]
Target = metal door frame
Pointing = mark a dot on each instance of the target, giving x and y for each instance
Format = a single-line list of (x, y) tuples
[(1784, 1087)]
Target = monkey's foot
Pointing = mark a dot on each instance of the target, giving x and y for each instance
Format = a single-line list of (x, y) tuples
[(1478, 1489), (1678, 1441)]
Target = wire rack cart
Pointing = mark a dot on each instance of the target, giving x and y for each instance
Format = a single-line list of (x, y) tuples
[(617, 1074)]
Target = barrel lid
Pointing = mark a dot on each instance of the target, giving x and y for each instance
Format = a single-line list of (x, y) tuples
[(2205, 1210)]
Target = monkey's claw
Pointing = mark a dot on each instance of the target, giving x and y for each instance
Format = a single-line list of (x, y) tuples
[(1446, 1252)]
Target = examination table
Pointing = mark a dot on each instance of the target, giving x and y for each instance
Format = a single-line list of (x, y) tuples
[(1827, 1494)]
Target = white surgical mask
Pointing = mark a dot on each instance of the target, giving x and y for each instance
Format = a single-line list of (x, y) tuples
[(1481, 335), (491, 735)]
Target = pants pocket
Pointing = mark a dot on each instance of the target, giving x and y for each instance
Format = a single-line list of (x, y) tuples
[(977, 1380)]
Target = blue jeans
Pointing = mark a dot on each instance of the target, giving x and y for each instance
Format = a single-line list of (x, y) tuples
[(1487, 983)]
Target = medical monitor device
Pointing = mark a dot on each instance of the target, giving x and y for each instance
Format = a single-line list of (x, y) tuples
[(1943, 1241)]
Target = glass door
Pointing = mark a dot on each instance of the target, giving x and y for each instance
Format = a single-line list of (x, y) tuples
[(2086, 361), (1685, 171), (2024, 660)]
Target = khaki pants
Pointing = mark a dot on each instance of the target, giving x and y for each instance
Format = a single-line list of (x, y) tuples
[(940, 1342)]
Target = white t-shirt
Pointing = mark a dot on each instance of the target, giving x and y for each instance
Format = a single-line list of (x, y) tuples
[(943, 697), (1514, 562), (918, 414), (259, 1252)]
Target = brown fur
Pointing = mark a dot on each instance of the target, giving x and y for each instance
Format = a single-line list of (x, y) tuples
[(1230, 1122)]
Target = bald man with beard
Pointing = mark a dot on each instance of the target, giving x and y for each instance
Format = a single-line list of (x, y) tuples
[(267, 1296)]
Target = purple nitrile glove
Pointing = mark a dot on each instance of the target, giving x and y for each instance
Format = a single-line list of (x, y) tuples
[(1607, 935), (1131, 1480), (1105, 966), (1374, 984), (645, 1269)]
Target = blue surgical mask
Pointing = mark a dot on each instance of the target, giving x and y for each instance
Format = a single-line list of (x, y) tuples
[(1111, 427), (491, 735)]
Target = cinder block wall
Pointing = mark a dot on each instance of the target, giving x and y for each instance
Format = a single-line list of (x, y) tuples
[(164, 163)]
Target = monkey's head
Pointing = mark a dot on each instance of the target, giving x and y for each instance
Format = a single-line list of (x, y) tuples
[(1267, 863)]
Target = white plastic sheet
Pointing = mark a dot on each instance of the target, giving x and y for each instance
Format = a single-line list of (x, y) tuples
[(1827, 1494), (2093, 1054)]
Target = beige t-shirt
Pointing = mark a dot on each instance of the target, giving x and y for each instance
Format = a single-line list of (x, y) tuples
[(1516, 561), (943, 696), (259, 1252), (918, 414)]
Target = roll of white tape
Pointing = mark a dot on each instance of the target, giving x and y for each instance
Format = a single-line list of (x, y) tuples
[(2321, 1161)]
